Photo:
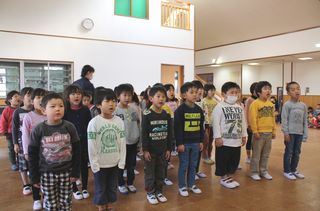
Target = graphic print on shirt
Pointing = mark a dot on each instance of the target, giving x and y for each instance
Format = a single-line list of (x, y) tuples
[(192, 122), (159, 130), (265, 111), (57, 148), (233, 121), (130, 118)]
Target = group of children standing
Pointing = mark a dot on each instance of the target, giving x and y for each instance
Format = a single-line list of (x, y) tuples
[(56, 137)]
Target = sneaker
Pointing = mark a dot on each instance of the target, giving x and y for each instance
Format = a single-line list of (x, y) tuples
[(138, 158), (267, 176), (236, 183), (174, 153), (14, 167), (290, 176), (248, 160), (136, 172), (26, 190), (37, 205), (78, 195), (183, 192), (167, 182), (228, 183), (78, 182), (196, 177), (125, 173), (152, 199), (123, 189), (208, 161), (201, 175), (255, 177), (161, 197), (132, 189), (298, 175), (195, 189), (239, 167), (85, 194)]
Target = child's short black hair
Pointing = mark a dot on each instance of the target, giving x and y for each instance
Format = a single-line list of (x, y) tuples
[(104, 94), (289, 84), (156, 89), (123, 88), (87, 94), (208, 87), (135, 98), (260, 85), (72, 89), (229, 85), (87, 68), (26, 90), (252, 87), (10, 95), (50, 96), (186, 86), (38, 92), (198, 84), (168, 87)]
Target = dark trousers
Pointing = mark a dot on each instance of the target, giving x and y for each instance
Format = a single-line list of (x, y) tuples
[(154, 173), (208, 140), (11, 152), (83, 172), (249, 141), (130, 165), (227, 160), (105, 186)]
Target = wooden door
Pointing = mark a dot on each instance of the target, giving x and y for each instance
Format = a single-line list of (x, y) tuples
[(173, 74)]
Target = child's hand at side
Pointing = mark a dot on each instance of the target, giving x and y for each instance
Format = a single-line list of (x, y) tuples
[(16, 148), (256, 136), (37, 185), (218, 142), (73, 179), (181, 148), (244, 141), (273, 136), (168, 155), (286, 138), (201, 147), (147, 155)]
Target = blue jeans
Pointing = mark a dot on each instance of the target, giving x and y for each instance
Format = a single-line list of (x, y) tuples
[(187, 164), (292, 153)]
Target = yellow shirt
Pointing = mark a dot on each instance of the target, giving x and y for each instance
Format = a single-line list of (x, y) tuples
[(207, 106), (261, 116)]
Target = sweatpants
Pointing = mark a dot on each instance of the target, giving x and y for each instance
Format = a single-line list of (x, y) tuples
[(131, 161), (154, 173), (227, 160)]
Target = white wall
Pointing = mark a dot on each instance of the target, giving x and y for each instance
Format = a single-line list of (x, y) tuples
[(307, 75), (115, 60)]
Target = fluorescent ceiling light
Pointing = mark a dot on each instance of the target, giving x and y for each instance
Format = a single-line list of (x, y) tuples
[(253, 63), (213, 61), (215, 65), (304, 58), (317, 45)]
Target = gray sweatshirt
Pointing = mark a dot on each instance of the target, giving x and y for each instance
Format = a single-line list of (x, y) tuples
[(294, 119)]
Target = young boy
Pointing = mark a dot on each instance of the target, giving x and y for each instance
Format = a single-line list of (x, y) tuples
[(295, 129), (17, 120), (54, 154), (230, 133), (130, 118), (107, 149), (263, 126), (156, 144), (189, 134)]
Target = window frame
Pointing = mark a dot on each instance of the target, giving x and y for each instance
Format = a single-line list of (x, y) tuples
[(130, 16)]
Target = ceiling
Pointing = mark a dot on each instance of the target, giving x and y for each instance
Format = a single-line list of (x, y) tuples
[(222, 22)]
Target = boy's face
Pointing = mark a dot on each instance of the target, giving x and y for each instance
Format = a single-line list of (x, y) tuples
[(75, 98), (27, 102), (170, 93), (158, 99), (294, 91), (15, 100), (232, 92), (86, 100), (191, 95), (125, 98), (199, 94), (37, 102), (54, 110), (89, 75), (265, 93), (211, 93), (107, 107)]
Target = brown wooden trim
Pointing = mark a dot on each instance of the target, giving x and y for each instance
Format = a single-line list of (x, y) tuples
[(93, 39), (258, 38), (256, 59)]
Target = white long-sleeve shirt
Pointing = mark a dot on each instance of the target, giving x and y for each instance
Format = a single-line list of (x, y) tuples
[(229, 124), (106, 143)]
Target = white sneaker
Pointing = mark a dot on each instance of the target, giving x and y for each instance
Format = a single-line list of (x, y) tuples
[(239, 167), (123, 189), (152, 199), (85, 194), (267, 176), (136, 172), (26, 190), (208, 161), (78, 182), (78, 195), (290, 176), (132, 189), (124, 173), (37, 205), (298, 175), (183, 192), (236, 183), (255, 177), (228, 183), (196, 177), (248, 160), (195, 189), (161, 197), (201, 175), (167, 182), (174, 153), (138, 158)]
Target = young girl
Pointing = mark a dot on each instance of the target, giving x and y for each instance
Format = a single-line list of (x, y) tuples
[(30, 121), (17, 119), (80, 116), (13, 102)]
